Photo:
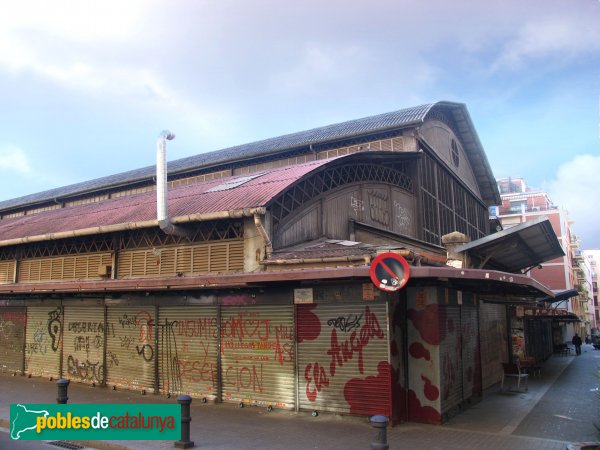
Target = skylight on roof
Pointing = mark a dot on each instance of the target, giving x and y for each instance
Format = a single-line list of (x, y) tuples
[(233, 183)]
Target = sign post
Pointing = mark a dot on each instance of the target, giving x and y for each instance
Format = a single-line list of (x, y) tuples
[(389, 272)]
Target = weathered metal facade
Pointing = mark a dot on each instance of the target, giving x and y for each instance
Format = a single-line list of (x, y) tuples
[(93, 290)]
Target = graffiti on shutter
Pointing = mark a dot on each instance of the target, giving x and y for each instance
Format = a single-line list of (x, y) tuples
[(130, 348), (43, 341), (83, 344), (257, 355), (343, 358), (188, 350), (12, 339)]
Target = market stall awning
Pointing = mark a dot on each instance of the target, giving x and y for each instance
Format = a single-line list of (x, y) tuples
[(516, 249), (559, 296)]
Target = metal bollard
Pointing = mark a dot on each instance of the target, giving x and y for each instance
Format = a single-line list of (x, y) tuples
[(63, 385), (186, 418), (380, 424)]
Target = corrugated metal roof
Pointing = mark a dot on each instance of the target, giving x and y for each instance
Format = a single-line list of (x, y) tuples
[(183, 201), (378, 123), (520, 247), (327, 133)]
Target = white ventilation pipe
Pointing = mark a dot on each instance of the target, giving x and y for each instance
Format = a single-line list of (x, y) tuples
[(162, 209), (161, 175)]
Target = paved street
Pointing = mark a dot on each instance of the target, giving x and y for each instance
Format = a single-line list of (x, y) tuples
[(571, 406), (559, 407)]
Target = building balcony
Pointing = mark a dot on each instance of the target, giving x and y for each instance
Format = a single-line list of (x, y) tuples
[(522, 209)]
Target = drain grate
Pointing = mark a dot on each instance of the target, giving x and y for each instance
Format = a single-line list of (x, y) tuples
[(66, 444)]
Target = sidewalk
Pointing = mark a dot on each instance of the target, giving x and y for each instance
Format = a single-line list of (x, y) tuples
[(494, 423)]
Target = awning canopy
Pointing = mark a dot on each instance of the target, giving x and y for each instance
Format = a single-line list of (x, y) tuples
[(517, 249), (559, 296)]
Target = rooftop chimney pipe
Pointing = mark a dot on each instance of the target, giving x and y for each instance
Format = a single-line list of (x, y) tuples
[(162, 212)]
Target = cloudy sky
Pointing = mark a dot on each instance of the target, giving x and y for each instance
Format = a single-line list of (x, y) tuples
[(86, 86)]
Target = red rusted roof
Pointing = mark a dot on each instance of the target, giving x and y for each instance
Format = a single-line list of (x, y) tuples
[(183, 201)]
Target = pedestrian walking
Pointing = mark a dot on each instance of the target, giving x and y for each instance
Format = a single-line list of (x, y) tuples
[(577, 343)]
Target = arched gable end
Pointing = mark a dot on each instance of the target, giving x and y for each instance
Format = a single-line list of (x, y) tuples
[(457, 117), (376, 189)]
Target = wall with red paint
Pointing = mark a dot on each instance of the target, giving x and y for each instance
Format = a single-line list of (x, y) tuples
[(423, 332), (343, 358)]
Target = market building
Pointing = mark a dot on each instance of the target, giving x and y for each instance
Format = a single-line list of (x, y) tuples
[(248, 281)]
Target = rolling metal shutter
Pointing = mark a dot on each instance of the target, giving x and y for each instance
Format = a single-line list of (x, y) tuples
[(450, 357), (494, 342), (471, 365), (188, 350), (130, 348), (12, 339), (83, 347), (257, 355), (43, 341), (343, 358)]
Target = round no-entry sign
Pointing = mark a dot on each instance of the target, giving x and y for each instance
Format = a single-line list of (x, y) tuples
[(389, 272)]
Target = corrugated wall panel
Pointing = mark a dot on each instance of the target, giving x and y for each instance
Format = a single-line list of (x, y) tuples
[(343, 358), (494, 342), (83, 347), (43, 341), (188, 350), (130, 348), (257, 355), (450, 357), (471, 363), (12, 339)]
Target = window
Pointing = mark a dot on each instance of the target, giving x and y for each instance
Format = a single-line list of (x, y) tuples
[(454, 153)]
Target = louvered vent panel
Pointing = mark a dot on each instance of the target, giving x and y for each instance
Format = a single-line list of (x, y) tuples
[(167, 261), (81, 269), (68, 268), (225, 256), (138, 264), (125, 264), (153, 261), (57, 269), (65, 268), (218, 258), (184, 260), (236, 257), (45, 270), (34, 271), (200, 260), (7, 269)]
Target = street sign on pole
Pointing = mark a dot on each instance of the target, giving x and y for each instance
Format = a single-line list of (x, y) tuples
[(389, 272)]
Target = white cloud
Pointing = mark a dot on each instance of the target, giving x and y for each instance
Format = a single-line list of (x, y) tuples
[(576, 189), (556, 38), (13, 159)]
